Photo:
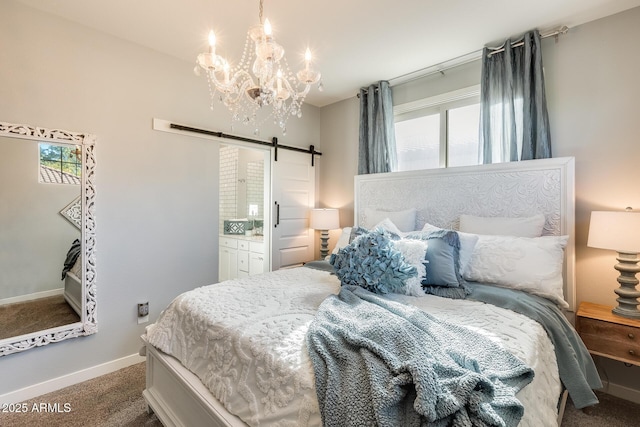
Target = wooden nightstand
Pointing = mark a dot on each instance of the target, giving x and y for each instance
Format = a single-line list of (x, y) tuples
[(608, 335)]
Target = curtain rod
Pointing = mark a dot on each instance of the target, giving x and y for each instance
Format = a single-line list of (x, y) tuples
[(464, 59), (274, 141), (554, 33)]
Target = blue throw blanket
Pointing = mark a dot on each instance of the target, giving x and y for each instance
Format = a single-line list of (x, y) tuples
[(575, 365), (379, 362)]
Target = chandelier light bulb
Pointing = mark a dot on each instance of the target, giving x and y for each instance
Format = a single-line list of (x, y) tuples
[(262, 80), (267, 28), (212, 42)]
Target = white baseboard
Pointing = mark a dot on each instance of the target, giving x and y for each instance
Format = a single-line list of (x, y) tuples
[(29, 297), (70, 379), (626, 393)]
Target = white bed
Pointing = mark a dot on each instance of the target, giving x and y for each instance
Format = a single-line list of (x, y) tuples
[(264, 375), (73, 286)]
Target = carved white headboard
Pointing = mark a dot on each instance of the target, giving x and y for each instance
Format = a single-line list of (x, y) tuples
[(516, 189)]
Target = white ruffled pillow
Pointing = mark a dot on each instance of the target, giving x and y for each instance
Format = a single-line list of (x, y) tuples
[(414, 253), (533, 265), (343, 240), (522, 227)]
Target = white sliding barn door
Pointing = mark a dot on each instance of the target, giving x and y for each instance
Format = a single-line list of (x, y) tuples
[(293, 197)]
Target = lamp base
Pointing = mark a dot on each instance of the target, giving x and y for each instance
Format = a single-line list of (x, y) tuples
[(628, 294), (324, 245)]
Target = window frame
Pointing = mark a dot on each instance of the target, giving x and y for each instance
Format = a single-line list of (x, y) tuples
[(438, 104)]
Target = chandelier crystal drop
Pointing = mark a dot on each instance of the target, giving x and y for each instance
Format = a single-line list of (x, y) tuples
[(261, 79)]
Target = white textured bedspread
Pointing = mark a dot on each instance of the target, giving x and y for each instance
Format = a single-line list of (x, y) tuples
[(245, 340)]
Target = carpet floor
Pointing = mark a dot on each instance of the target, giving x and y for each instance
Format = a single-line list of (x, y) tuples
[(35, 315), (115, 400)]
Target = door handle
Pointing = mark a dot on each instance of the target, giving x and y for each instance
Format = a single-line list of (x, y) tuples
[(277, 214)]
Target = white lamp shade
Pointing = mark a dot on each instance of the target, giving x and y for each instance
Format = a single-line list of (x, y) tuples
[(324, 219), (618, 231)]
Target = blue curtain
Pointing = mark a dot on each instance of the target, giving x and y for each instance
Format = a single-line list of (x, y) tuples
[(514, 123), (377, 151)]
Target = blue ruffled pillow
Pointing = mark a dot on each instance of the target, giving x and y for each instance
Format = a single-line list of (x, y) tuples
[(371, 262)]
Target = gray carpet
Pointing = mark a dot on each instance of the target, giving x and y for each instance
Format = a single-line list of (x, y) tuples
[(610, 412), (35, 315), (115, 400)]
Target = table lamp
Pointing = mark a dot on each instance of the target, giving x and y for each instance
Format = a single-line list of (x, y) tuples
[(324, 220), (620, 231)]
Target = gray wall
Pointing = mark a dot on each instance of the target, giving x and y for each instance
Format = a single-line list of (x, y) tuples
[(157, 193), (593, 92)]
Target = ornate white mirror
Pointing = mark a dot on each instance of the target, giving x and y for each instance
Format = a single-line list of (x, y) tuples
[(47, 236)]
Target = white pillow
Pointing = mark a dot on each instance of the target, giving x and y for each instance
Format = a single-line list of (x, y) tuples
[(404, 220), (414, 252), (343, 240), (388, 225), (522, 227), (533, 265), (467, 243)]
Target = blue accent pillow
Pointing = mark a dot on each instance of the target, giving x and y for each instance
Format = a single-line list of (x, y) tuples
[(357, 232), (371, 262), (443, 264)]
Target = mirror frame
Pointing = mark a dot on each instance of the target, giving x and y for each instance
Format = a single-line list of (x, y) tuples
[(88, 323)]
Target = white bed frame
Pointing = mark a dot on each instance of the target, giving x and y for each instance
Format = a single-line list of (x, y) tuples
[(73, 292), (510, 189)]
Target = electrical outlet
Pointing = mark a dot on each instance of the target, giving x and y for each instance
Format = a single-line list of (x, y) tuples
[(143, 312), (143, 309)]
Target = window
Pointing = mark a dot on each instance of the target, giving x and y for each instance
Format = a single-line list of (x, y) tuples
[(441, 131), (60, 164)]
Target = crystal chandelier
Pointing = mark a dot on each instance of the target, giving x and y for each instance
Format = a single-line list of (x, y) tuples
[(262, 78)]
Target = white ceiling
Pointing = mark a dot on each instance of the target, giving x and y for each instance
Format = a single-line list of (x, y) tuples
[(354, 42)]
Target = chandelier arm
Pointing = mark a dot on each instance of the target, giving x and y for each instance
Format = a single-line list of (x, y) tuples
[(240, 77), (293, 91), (214, 80), (304, 93), (237, 95)]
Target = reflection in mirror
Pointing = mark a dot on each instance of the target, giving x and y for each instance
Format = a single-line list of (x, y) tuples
[(47, 238), (242, 186)]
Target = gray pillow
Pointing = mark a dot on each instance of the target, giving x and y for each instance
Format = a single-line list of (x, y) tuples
[(443, 256)]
